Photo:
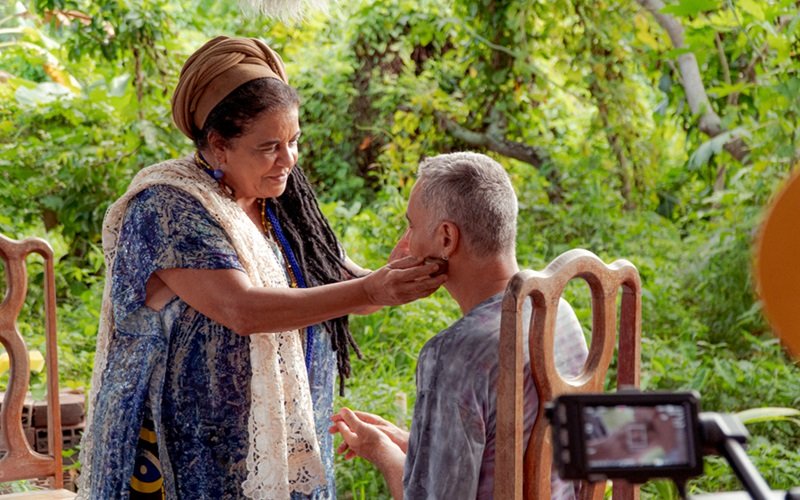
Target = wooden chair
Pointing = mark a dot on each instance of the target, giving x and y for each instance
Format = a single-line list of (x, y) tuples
[(19, 461), (527, 475)]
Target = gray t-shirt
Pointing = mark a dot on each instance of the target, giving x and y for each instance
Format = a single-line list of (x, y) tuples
[(451, 450)]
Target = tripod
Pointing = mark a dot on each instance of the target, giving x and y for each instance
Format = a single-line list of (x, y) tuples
[(726, 434)]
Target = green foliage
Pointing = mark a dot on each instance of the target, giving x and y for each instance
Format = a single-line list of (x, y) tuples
[(776, 461), (68, 147)]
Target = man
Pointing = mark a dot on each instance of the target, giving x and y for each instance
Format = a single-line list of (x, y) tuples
[(463, 210)]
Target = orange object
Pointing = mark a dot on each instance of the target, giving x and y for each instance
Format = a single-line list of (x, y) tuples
[(777, 265)]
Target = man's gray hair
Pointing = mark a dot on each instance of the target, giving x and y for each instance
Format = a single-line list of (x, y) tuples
[(475, 192)]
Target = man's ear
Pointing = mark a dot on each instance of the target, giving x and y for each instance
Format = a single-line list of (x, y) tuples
[(450, 237)]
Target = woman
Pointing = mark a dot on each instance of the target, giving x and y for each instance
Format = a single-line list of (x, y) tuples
[(203, 387)]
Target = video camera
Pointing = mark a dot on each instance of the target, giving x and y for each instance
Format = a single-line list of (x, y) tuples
[(637, 436)]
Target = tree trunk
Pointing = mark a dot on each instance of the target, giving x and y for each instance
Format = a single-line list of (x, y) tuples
[(709, 122)]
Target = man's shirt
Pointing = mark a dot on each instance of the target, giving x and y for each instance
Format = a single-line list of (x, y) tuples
[(451, 450)]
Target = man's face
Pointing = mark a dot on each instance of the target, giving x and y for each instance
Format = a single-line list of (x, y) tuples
[(419, 239)]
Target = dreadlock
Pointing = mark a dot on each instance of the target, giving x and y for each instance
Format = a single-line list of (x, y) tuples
[(319, 255), (309, 234)]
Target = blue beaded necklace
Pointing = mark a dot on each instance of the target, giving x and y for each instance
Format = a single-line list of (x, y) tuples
[(270, 222)]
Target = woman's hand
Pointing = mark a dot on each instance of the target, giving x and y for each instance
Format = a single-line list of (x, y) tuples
[(402, 281)]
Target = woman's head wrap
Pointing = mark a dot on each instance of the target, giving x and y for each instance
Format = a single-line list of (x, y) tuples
[(218, 68)]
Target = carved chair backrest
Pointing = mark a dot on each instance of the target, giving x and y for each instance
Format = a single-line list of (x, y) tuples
[(524, 471), (19, 461)]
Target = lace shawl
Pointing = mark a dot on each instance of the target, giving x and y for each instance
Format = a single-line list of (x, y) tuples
[(283, 455)]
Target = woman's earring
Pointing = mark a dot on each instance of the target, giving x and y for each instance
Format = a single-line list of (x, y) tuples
[(444, 257), (218, 173)]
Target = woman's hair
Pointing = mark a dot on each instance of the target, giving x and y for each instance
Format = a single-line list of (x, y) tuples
[(474, 192), (319, 255), (231, 117), (312, 240)]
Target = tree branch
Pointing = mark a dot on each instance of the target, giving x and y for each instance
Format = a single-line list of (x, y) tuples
[(623, 167), (494, 139), (693, 87), (709, 122), (723, 61)]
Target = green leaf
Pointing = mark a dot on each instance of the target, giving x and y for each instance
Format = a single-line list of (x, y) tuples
[(686, 8), (767, 414), (725, 90), (752, 7), (713, 146), (43, 93), (118, 84)]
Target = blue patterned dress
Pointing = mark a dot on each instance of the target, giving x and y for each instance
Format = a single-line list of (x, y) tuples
[(178, 369)]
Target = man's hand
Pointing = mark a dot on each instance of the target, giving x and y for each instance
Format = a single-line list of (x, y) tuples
[(397, 435), (369, 442), (363, 438)]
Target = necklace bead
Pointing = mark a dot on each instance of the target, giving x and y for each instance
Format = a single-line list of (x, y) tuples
[(269, 230), (295, 277)]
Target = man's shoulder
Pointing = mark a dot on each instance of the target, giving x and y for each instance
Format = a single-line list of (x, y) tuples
[(466, 351)]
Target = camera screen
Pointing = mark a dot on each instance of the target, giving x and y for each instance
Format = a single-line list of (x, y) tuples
[(636, 436)]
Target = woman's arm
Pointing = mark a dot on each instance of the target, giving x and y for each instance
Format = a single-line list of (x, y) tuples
[(228, 297), (360, 272)]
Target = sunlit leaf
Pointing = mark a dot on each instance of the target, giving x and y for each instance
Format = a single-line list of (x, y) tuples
[(690, 7), (725, 90), (752, 7), (43, 93), (768, 414), (118, 85)]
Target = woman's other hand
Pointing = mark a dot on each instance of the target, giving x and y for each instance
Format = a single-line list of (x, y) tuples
[(402, 281)]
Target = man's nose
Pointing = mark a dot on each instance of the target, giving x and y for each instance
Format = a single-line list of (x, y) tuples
[(403, 243), (401, 249)]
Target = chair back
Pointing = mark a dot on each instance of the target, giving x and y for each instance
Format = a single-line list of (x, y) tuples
[(524, 471), (19, 461)]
